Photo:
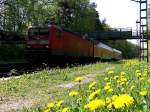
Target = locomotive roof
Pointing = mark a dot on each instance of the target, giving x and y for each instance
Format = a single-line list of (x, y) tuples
[(60, 28), (46, 27), (105, 46), (117, 51), (100, 44)]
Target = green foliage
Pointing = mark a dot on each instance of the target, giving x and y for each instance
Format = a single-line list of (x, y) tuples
[(77, 15), (129, 83), (11, 51), (45, 82), (126, 86), (18, 15), (128, 49)]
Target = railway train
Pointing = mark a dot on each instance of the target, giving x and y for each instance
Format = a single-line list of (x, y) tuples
[(53, 42)]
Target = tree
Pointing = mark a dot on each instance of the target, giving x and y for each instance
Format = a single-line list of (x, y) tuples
[(19, 14), (128, 49), (77, 15)]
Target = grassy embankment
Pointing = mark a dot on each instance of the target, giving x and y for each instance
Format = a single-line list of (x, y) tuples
[(124, 89), (41, 86)]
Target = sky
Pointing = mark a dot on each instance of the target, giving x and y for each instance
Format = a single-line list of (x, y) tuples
[(118, 13)]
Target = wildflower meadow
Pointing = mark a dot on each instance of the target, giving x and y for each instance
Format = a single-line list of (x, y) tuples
[(123, 89)]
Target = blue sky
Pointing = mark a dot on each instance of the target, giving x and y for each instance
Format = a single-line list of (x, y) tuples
[(118, 13)]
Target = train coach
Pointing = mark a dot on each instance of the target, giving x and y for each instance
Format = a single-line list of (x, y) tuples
[(53, 42)]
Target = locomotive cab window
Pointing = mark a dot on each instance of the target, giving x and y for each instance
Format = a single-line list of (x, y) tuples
[(58, 34), (33, 32), (44, 32), (36, 32)]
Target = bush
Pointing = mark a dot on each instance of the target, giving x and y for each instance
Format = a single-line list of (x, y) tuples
[(11, 51)]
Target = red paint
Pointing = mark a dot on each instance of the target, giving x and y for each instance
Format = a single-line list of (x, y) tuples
[(64, 43)]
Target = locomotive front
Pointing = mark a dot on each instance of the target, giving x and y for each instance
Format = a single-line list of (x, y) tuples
[(37, 44)]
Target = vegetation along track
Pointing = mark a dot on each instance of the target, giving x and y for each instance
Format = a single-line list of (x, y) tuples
[(18, 68), (46, 85), (14, 69), (9, 105)]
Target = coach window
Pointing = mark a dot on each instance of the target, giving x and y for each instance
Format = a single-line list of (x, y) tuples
[(58, 34)]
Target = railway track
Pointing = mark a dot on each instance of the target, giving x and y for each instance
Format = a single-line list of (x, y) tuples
[(16, 69), (11, 69)]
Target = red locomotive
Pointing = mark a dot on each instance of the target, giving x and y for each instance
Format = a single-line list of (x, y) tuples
[(53, 42)]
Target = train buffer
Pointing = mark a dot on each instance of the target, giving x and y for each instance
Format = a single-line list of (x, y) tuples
[(115, 34)]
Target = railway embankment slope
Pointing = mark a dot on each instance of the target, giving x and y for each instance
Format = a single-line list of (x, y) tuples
[(37, 88)]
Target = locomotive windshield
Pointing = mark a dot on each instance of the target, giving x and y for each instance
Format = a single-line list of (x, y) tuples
[(38, 32)]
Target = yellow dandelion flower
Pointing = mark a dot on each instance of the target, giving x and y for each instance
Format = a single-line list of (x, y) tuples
[(108, 83), (59, 103), (114, 97), (123, 73), (144, 93), (146, 70), (106, 78), (122, 101), (111, 72), (122, 83), (110, 90), (141, 78), (50, 105), (73, 93), (94, 94), (92, 84), (93, 88), (139, 75), (47, 110), (123, 79), (137, 71), (145, 74), (116, 77), (107, 87), (78, 79), (108, 100), (95, 104), (118, 81), (66, 109)]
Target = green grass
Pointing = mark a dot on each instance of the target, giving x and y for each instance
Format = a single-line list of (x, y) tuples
[(42, 85), (128, 80)]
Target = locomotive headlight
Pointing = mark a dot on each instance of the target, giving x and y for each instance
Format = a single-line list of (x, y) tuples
[(47, 46), (43, 42), (28, 46)]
